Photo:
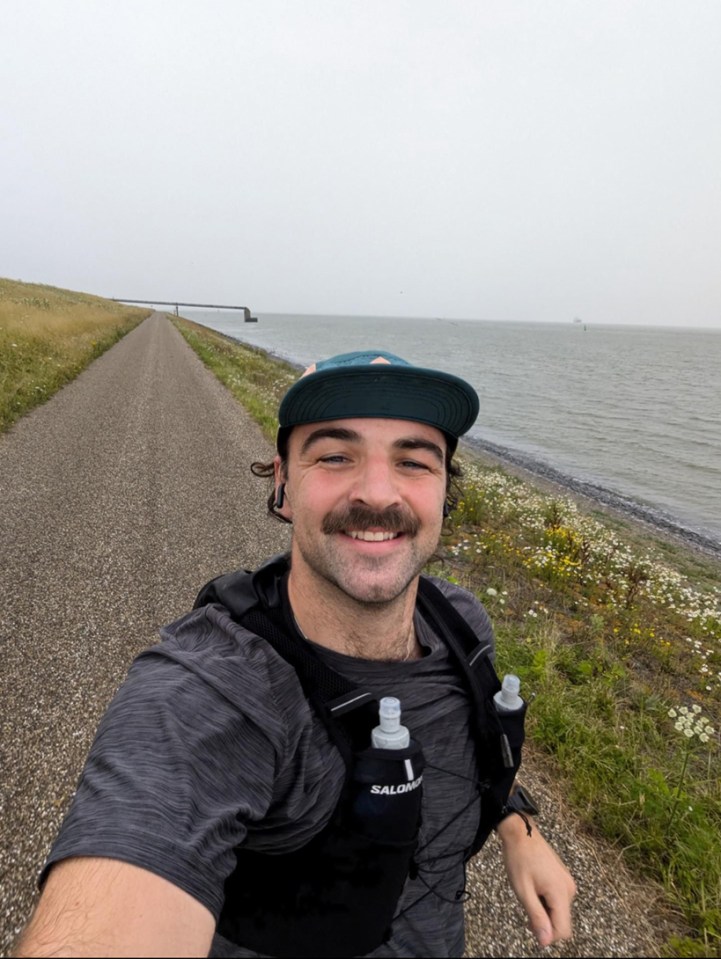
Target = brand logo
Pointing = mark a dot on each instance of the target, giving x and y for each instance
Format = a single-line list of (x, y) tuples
[(396, 790)]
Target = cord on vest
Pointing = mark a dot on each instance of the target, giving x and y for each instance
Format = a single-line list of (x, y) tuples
[(434, 866)]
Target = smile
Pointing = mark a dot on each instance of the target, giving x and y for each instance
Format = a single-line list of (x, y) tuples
[(369, 537)]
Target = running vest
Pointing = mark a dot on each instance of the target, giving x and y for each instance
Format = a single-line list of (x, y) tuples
[(337, 895)]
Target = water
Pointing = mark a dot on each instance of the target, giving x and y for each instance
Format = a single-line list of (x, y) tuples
[(630, 415)]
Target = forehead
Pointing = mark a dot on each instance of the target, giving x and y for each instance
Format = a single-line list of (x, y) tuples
[(366, 431)]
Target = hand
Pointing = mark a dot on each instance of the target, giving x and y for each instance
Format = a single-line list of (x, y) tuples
[(543, 885)]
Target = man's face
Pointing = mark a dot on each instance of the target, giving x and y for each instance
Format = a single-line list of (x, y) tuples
[(366, 500)]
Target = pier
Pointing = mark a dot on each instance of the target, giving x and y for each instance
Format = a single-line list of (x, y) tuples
[(198, 306)]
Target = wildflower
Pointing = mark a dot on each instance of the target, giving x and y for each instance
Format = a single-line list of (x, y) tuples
[(691, 723), (491, 591)]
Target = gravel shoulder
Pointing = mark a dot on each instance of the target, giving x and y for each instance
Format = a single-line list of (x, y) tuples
[(120, 498)]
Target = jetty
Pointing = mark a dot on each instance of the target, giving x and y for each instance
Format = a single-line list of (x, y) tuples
[(198, 306)]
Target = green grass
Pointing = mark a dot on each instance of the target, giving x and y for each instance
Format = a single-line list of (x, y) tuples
[(610, 636), (609, 630), (47, 337), (252, 376)]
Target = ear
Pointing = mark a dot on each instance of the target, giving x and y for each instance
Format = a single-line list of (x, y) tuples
[(282, 504)]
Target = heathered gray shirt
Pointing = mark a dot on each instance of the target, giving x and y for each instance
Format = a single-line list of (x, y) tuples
[(210, 743)]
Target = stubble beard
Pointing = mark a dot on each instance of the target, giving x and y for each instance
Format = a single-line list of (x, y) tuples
[(367, 580)]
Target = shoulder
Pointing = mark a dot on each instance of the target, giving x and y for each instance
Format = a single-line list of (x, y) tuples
[(209, 744), (205, 656), (468, 605)]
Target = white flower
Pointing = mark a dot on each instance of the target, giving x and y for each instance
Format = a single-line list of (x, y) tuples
[(691, 723), (491, 591)]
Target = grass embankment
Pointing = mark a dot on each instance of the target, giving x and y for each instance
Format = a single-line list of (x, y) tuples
[(47, 337), (619, 645)]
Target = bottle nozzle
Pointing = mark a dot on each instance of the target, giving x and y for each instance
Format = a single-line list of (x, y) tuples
[(508, 698), (390, 713)]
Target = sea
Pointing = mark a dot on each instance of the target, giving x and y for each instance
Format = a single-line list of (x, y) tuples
[(628, 415)]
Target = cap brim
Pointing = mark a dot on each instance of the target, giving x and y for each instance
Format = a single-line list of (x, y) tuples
[(386, 392)]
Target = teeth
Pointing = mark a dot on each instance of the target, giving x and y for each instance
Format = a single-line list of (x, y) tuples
[(371, 537)]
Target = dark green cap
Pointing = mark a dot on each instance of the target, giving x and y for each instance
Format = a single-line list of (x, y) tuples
[(372, 384)]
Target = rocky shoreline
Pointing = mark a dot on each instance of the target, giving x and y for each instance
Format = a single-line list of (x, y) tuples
[(651, 520)]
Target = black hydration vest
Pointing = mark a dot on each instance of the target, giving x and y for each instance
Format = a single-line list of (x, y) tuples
[(337, 895)]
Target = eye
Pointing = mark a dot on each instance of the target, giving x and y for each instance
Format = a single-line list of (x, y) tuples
[(333, 458), (414, 465)]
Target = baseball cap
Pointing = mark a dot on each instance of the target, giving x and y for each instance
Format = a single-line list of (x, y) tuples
[(377, 384)]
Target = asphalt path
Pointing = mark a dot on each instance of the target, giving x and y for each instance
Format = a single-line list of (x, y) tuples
[(119, 498)]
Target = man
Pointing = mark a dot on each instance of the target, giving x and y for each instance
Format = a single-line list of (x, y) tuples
[(223, 807)]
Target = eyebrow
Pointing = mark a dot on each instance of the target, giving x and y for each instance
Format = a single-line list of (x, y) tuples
[(350, 436), (330, 433), (418, 444)]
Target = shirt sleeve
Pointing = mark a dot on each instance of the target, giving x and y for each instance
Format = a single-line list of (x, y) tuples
[(207, 741)]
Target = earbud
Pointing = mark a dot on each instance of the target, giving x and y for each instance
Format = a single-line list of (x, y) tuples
[(279, 496)]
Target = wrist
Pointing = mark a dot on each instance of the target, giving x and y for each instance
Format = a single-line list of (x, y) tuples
[(515, 825), (518, 809)]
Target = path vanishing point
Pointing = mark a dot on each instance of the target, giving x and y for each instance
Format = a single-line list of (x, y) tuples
[(119, 498)]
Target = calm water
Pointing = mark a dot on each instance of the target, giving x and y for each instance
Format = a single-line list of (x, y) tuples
[(631, 415)]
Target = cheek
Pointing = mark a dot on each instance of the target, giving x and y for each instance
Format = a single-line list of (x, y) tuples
[(428, 504), (316, 497)]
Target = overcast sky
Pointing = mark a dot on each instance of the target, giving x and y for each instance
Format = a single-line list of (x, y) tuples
[(492, 159)]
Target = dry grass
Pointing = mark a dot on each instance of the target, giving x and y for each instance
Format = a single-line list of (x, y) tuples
[(47, 337)]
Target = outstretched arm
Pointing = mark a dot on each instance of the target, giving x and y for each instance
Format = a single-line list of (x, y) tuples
[(103, 907), (545, 888)]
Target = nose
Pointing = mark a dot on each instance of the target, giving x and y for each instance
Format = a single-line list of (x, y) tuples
[(376, 486)]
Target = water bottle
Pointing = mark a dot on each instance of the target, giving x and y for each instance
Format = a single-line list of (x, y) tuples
[(507, 699), (390, 734), (508, 702)]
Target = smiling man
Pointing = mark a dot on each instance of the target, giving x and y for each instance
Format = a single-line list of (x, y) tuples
[(231, 804), (366, 498)]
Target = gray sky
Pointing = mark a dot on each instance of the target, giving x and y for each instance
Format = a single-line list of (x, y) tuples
[(493, 159)]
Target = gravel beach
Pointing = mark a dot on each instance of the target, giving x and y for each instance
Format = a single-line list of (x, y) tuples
[(120, 498)]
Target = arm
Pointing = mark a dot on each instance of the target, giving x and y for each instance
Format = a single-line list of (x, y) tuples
[(104, 907), (543, 885)]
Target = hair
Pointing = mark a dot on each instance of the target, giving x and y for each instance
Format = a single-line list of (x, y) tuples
[(454, 474)]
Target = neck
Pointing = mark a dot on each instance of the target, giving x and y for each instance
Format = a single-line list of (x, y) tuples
[(328, 616)]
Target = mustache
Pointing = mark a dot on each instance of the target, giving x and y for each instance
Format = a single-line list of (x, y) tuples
[(390, 520)]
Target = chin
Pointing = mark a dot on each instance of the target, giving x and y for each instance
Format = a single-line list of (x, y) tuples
[(376, 589)]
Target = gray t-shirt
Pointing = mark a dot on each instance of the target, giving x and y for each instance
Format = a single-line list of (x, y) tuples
[(211, 743)]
